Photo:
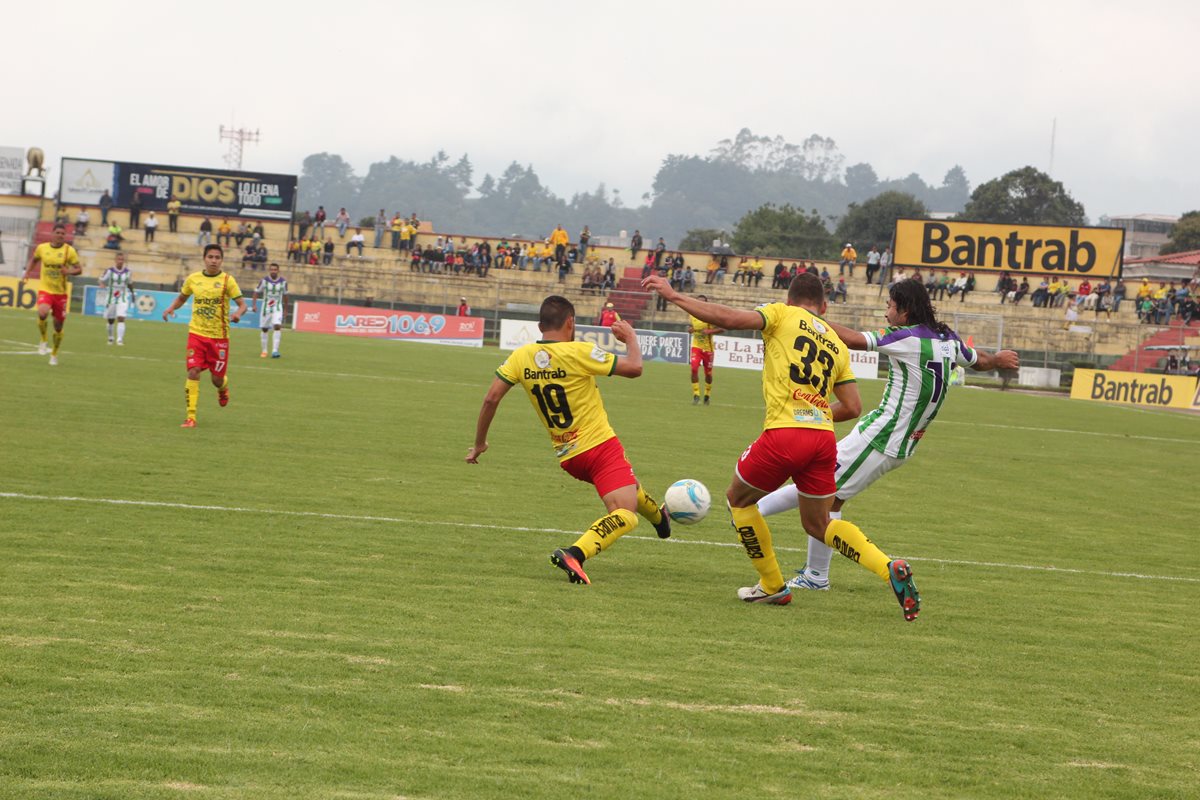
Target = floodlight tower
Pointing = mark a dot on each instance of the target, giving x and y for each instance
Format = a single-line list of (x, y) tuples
[(237, 138)]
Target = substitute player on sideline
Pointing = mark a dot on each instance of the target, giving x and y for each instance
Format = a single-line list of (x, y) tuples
[(921, 352), (57, 260), (211, 289), (807, 386), (274, 291), (702, 353), (559, 375), (117, 285)]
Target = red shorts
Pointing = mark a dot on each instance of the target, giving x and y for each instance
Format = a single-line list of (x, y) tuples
[(204, 353), (57, 303), (604, 466), (704, 357), (806, 455)]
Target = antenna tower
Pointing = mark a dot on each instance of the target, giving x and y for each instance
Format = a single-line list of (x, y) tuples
[(237, 139)]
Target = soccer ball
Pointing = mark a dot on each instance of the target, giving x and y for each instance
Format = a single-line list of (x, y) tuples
[(687, 501)]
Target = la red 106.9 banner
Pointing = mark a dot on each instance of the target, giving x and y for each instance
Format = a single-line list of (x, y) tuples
[(383, 323)]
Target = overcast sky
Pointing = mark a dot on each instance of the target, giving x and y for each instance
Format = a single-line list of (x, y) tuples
[(592, 92)]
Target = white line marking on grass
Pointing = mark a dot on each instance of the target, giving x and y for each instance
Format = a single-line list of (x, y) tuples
[(1105, 434), (525, 529)]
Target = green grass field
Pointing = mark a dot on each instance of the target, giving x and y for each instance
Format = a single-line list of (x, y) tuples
[(347, 610)]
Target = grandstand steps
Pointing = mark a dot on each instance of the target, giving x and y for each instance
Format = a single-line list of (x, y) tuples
[(1141, 359)]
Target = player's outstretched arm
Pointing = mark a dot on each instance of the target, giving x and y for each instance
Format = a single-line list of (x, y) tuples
[(491, 401), (1002, 359), (853, 339), (731, 319), (631, 365)]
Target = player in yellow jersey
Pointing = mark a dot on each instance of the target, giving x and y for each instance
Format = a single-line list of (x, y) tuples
[(57, 260), (559, 375), (807, 386), (702, 353), (211, 289)]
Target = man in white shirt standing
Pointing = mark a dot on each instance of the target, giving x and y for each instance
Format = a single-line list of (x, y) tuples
[(116, 287)]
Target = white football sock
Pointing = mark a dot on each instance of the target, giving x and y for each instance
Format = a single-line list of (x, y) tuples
[(110, 329), (278, 335), (264, 341), (820, 554), (785, 498), (120, 331)]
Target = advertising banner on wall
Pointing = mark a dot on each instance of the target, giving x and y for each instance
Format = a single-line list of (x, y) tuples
[(149, 307), (214, 192), (669, 346), (383, 323), (1065, 252), (743, 353), (12, 161), (517, 332), (1136, 388)]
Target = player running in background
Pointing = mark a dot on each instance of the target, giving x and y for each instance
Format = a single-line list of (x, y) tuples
[(559, 375), (921, 353), (273, 288), (807, 386), (116, 284), (702, 353), (211, 289), (57, 260)]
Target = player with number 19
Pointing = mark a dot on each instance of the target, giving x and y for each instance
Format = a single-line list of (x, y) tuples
[(559, 375)]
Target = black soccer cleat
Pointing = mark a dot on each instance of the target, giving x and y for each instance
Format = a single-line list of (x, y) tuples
[(663, 527), (570, 565)]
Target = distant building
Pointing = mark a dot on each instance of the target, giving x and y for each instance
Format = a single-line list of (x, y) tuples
[(1178, 267), (1145, 234)]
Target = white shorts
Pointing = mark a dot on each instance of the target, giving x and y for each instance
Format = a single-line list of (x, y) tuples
[(269, 319), (859, 465), (114, 310)]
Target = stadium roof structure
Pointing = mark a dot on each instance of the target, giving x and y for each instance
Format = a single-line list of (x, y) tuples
[(1171, 218), (1187, 258)]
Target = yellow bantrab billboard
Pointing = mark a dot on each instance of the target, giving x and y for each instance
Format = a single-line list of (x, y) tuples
[(1064, 252)]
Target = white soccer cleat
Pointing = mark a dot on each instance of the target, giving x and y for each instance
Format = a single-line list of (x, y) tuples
[(54, 361), (120, 343), (805, 580), (756, 594), (43, 349)]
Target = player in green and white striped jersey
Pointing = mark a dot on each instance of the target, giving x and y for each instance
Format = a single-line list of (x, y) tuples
[(116, 287), (273, 288), (921, 353)]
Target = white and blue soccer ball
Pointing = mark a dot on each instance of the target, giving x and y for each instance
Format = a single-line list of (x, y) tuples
[(687, 501)]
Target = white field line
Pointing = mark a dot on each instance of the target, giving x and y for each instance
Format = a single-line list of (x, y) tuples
[(479, 525)]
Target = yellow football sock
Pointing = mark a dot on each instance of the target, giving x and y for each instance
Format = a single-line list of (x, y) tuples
[(756, 538), (846, 538), (648, 507), (57, 339), (224, 383), (193, 396), (605, 531), (42, 326), (695, 389), (708, 389)]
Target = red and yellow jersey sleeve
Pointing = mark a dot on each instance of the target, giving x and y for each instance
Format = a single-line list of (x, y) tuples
[(803, 360), (210, 303), (560, 379), (54, 260)]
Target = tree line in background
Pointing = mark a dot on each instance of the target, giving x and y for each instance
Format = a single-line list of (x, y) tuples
[(751, 191)]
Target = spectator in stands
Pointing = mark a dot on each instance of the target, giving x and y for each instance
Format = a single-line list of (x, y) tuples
[(241, 233), (342, 222), (260, 255), (960, 283), (722, 268), (1103, 290), (1145, 309), (779, 281), (962, 298), (173, 208), (885, 265), (635, 245), (381, 225), (106, 204), (151, 226), (1015, 295), (610, 277), (943, 284), (589, 283), (585, 237), (397, 225), (689, 279), (1144, 291), (558, 241), (327, 258), (248, 255), (848, 259), (811, 269), (660, 247), (1083, 293), (1162, 310), (464, 310), (873, 257), (1064, 294), (608, 315), (1041, 293), (115, 237), (319, 223), (81, 222), (757, 268), (648, 267), (840, 290), (258, 232), (408, 235), (135, 210), (357, 240), (293, 250), (303, 224), (742, 271), (1187, 311), (710, 270), (224, 233)]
